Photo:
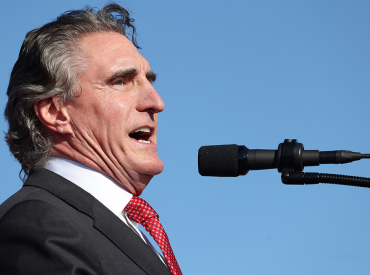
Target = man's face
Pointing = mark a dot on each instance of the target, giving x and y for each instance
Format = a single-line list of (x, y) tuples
[(115, 116)]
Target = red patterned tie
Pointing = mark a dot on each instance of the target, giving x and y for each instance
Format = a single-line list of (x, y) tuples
[(141, 212)]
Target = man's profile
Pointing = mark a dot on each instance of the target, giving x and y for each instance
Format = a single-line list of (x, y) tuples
[(82, 116)]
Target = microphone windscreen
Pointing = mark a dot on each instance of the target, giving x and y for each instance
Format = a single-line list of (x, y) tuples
[(218, 160)]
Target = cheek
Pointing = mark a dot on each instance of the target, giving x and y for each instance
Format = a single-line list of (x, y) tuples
[(114, 117), (106, 114)]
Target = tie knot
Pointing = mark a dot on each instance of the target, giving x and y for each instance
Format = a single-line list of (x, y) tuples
[(139, 210)]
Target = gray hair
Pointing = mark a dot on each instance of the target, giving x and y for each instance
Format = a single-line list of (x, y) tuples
[(49, 64)]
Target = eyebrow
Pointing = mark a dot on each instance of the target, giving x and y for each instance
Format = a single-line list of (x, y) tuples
[(122, 73), (150, 75)]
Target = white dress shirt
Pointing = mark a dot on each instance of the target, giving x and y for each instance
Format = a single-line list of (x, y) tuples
[(106, 190)]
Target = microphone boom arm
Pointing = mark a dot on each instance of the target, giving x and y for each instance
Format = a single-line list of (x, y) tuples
[(291, 165), (300, 178)]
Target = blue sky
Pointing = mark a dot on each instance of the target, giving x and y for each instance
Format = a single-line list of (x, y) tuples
[(252, 73)]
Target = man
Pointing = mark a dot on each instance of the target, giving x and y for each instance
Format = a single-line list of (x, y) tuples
[(82, 116)]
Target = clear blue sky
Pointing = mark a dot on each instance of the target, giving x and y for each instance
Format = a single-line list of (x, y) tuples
[(251, 73)]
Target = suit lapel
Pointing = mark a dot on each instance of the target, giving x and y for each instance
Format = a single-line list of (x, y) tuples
[(104, 220), (120, 234)]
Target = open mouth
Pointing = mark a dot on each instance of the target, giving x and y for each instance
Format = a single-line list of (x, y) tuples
[(141, 135)]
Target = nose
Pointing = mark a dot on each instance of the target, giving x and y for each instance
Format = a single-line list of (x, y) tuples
[(150, 101)]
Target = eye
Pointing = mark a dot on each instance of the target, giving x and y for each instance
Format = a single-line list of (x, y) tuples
[(118, 82)]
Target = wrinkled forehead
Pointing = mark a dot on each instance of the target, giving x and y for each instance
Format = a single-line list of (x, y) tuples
[(112, 51)]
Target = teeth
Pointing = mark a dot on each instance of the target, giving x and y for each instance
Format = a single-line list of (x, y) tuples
[(143, 129), (143, 141)]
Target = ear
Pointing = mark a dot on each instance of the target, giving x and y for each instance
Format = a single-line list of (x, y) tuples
[(53, 115)]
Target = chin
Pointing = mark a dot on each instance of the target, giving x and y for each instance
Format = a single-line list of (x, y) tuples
[(154, 168)]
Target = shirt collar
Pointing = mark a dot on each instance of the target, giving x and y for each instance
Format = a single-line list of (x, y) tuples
[(106, 190)]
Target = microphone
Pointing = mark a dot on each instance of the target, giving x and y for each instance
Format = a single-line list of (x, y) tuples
[(233, 160)]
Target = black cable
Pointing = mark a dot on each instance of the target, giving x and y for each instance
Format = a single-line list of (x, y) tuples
[(365, 156), (344, 180)]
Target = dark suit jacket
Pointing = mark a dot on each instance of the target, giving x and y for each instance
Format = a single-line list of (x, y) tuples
[(51, 226)]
